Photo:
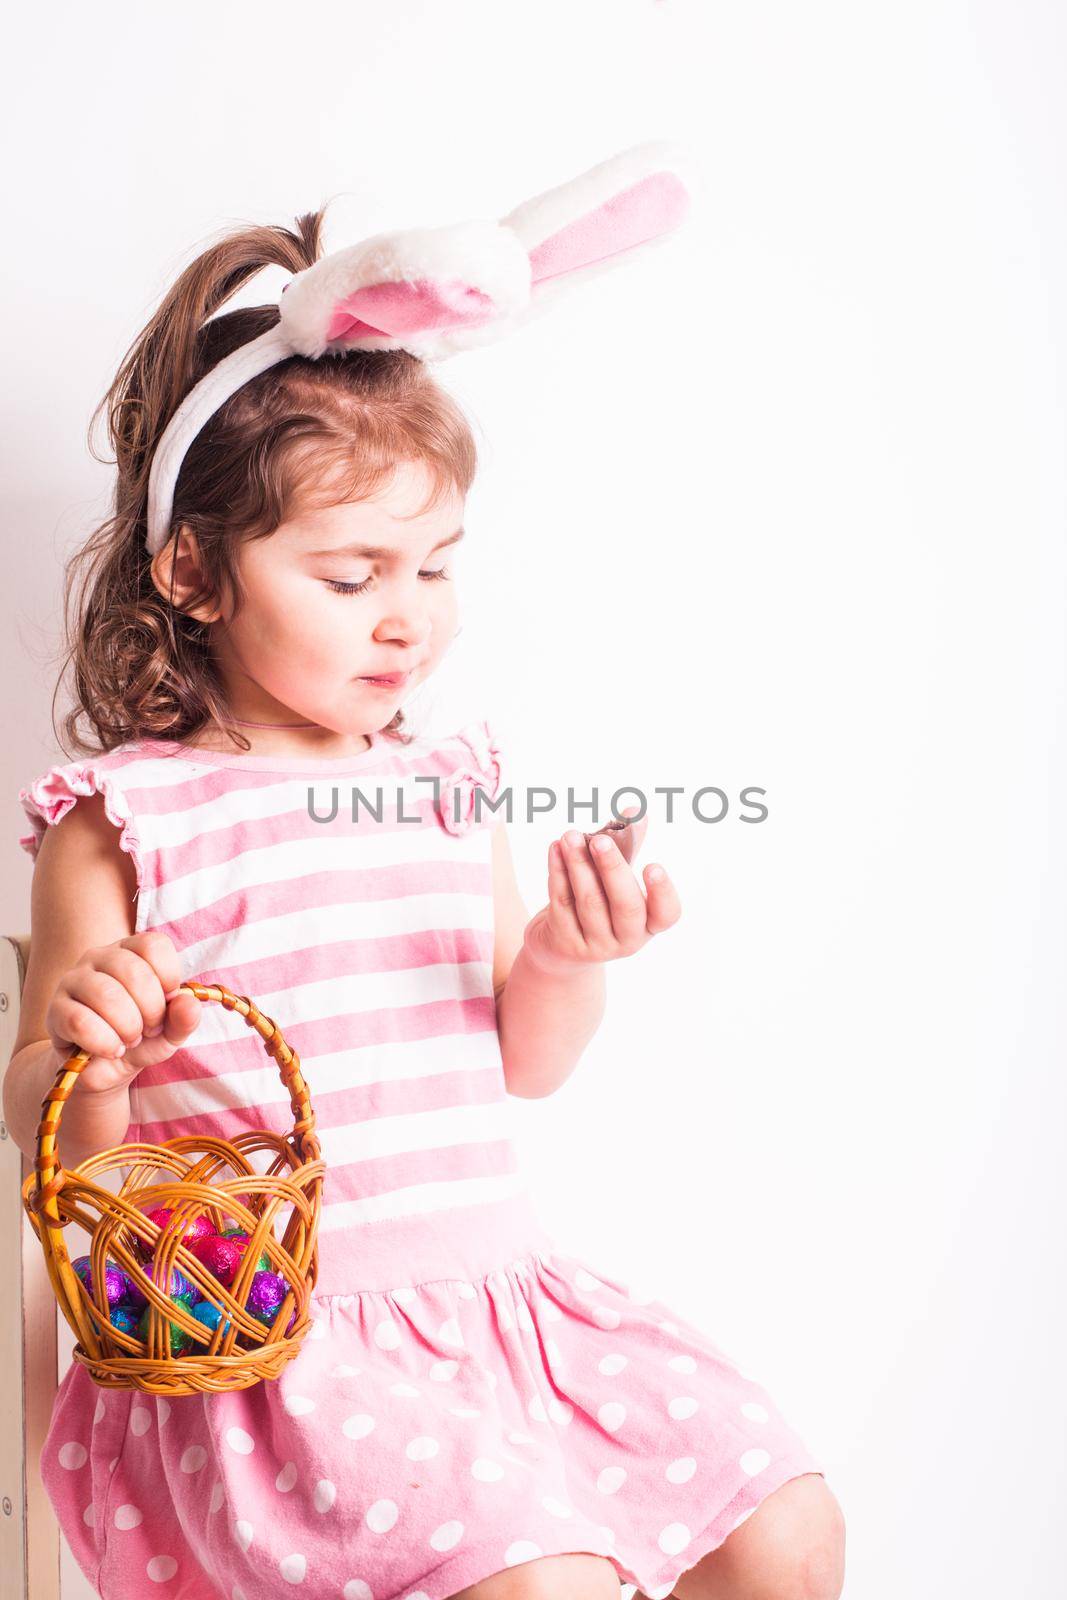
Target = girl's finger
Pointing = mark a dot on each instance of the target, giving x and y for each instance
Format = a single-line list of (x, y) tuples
[(590, 897), (664, 907), (626, 903), (561, 912)]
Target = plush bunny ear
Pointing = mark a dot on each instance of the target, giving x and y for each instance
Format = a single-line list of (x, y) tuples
[(434, 291), (404, 290)]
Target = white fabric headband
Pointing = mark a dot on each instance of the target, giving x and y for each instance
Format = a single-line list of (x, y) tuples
[(435, 291)]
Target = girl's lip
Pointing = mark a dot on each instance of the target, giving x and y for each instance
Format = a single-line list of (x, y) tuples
[(389, 680)]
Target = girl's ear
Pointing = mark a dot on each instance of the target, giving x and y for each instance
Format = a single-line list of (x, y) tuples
[(178, 575), (434, 291)]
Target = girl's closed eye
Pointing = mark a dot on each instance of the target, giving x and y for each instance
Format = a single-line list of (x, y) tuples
[(341, 587)]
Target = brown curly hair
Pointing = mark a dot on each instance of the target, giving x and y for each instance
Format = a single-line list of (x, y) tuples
[(141, 667)]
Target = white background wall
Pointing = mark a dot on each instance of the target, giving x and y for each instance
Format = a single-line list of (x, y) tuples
[(783, 508)]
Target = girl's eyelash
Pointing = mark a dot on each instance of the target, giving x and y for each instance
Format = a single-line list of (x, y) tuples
[(341, 587)]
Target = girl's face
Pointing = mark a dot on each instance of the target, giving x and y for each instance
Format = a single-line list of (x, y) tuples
[(338, 597)]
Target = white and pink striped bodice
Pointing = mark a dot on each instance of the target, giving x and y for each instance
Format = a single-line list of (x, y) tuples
[(370, 944)]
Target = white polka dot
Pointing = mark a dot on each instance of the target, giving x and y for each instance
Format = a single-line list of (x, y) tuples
[(669, 1327), (193, 1458), (162, 1409), (357, 1426), (447, 1535), (140, 1422), (682, 1406), (99, 1414), (608, 1535), (240, 1441), (585, 1280), (406, 1391), (611, 1415), (237, 1593), (521, 1550), (449, 1332), (663, 1592), (424, 1448), (298, 1405), (606, 1317), (444, 1371), (754, 1461), (682, 1364), (356, 1589), (343, 1370), (492, 1379), (553, 1353), (486, 1471), (464, 1411), (536, 1409), (754, 1412), (387, 1335), (611, 1480), (682, 1470), (89, 1515), (639, 1297), (466, 1291), (525, 1321), (73, 1455), (217, 1496), (113, 1464), (550, 1312), (521, 1438), (286, 1478), (128, 1517), (557, 1508), (503, 1317), (318, 1329), (243, 1534), (674, 1538), (560, 1411), (404, 1297), (381, 1516), (611, 1366), (324, 1496), (161, 1568), (293, 1568)]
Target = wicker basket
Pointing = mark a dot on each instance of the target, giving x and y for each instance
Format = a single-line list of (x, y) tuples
[(119, 1228)]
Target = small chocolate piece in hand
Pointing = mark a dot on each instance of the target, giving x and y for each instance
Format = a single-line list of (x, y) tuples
[(623, 836)]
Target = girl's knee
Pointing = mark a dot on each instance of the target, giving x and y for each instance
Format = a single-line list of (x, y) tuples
[(792, 1547)]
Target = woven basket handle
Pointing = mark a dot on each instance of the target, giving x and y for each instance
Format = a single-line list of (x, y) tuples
[(50, 1174)]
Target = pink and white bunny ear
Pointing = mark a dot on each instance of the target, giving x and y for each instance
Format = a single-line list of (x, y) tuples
[(435, 291)]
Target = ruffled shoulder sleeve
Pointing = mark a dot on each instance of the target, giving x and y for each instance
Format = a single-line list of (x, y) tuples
[(48, 798), (476, 763)]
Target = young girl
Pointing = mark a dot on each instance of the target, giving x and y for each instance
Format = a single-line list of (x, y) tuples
[(474, 1412)]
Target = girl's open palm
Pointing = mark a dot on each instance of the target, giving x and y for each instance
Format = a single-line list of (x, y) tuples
[(596, 911)]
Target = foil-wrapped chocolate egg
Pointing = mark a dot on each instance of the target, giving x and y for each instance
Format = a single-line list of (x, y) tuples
[(116, 1282), (180, 1341), (265, 1294), (220, 1256), (241, 1240), (126, 1319), (175, 1284), (210, 1316)]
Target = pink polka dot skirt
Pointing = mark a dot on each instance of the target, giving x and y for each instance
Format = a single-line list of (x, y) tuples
[(425, 1438)]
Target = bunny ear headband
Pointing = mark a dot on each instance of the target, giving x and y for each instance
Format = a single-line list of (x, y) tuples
[(435, 291)]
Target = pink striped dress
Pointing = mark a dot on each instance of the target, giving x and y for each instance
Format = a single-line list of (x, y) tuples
[(469, 1397)]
